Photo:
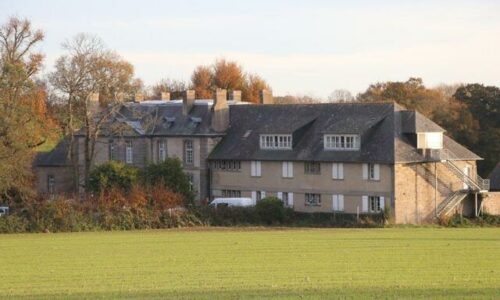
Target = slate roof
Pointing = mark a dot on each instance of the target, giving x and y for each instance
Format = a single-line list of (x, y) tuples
[(495, 178), (57, 157), (383, 127)]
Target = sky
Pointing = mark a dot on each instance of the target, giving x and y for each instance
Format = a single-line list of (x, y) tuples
[(299, 47)]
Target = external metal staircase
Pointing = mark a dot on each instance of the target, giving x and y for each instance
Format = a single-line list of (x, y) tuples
[(474, 183)]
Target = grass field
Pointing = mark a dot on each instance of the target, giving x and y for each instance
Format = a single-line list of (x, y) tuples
[(225, 263)]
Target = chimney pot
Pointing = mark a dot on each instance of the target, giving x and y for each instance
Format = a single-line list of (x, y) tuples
[(188, 101), (139, 97), (165, 96), (235, 95), (266, 97)]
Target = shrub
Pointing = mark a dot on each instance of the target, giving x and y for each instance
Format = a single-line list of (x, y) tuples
[(170, 174), (112, 174), (270, 210)]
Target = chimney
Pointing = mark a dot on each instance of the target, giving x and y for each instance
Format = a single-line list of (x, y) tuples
[(220, 111), (266, 97), (188, 102), (235, 95), (165, 96), (139, 97), (93, 103)]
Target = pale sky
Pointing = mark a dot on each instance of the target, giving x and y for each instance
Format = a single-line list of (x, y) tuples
[(299, 47)]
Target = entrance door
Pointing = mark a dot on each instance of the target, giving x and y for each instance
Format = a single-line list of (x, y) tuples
[(467, 171)]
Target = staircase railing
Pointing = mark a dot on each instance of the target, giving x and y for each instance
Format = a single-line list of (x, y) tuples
[(475, 182), (451, 202)]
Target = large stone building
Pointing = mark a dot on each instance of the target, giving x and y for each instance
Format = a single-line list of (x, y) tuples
[(335, 157)]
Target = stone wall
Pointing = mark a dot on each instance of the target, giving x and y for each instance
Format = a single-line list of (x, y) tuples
[(63, 179), (416, 192), (491, 203)]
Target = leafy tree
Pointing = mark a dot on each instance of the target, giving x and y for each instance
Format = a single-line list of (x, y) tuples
[(23, 125), (111, 175), (171, 174), (483, 102), (252, 87), (201, 81)]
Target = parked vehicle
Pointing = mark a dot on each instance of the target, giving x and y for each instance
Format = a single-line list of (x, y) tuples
[(241, 202), (4, 210)]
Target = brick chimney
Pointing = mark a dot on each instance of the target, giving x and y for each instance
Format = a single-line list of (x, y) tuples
[(220, 111), (188, 102), (235, 95), (165, 96), (139, 97), (266, 97)]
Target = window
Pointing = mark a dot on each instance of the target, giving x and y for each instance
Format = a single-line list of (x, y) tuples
[(338, 171), (371, 171), (430, 140), (227, 165), (51, 184), (190, 177), (231, 194), (188, 152), (162, 151), (111, 150), (287, 169), (128, 152), (312, 199), (341, 142), (373, 204), (286, 197), (312, 168), (255, 170), (338, 202), (276, 141)]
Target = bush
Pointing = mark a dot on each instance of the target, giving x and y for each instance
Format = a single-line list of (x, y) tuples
[(112, 174), (270, 210), (13, 224), (170, 174)]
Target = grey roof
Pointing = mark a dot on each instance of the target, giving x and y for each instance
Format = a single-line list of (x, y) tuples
[(495, 178), (385, 134), (57, 157)]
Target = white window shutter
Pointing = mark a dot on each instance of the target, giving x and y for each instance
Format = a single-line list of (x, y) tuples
[(365, 171), (263, 194), (335, 172), (290, 169), (376, 168), (341, 170), (284, 167), (335, 202), (254, 196), (258, 170), (364, 204), (279, 195), (382, 203), (290, 199), (341, 202), (252, 169)]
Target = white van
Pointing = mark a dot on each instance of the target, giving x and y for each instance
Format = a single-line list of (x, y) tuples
[(241, 202), (4, 210)]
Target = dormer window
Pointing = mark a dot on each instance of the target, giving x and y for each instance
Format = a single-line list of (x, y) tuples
[(430, 140), (276, 141), (342, 141)]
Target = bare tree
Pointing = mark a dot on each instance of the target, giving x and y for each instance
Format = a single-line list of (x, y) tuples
[(93, 81), (174, 87), (340, 95)]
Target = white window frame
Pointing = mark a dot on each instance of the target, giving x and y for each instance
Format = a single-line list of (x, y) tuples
[(129, 152), (188, 152), (162, 150), (255, 168), (338, 202), (338, 171), (342, 142), (310, 168), (315, 197), (373, 204), (287, 169), (276, 141)]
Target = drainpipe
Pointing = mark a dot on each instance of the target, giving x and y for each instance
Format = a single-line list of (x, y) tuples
[(435, 188)]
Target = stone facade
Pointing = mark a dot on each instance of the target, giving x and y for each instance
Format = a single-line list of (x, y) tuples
[(491, 203)]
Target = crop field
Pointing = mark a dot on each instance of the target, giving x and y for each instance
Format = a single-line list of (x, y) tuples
[(253, 263)]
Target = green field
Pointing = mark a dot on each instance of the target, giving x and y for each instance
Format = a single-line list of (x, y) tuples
[(226, 263)]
